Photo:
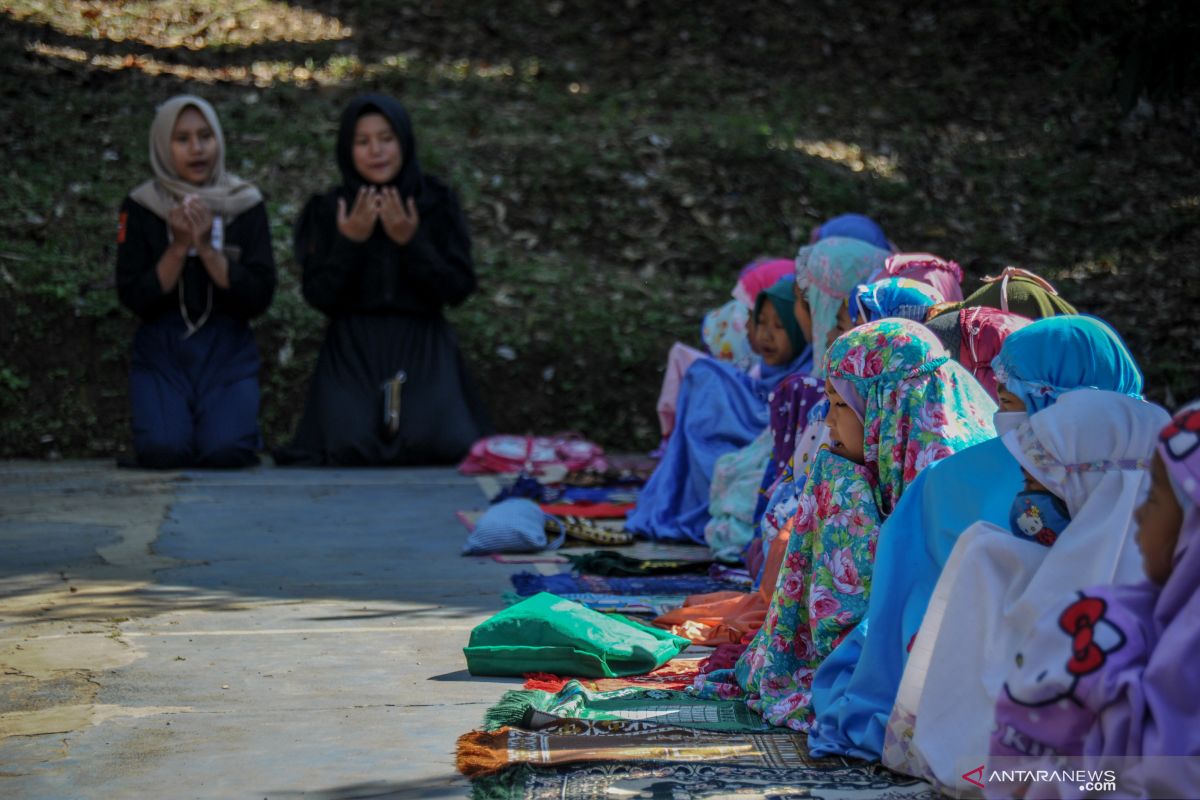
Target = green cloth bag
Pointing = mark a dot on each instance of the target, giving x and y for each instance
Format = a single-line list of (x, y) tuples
[(548, 633)]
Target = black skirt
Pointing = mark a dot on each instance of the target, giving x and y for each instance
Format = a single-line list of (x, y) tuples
[(441, 413)]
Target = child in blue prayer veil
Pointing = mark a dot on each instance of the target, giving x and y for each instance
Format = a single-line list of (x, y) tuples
[(855, 687)]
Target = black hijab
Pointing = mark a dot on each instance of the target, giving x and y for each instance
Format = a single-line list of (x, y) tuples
[(409, 180)]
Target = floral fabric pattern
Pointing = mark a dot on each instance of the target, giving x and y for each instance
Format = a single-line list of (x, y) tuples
[(821, 593), (917, 405)]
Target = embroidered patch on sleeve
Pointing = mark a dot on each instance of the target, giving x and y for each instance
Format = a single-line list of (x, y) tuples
[(121, 227)]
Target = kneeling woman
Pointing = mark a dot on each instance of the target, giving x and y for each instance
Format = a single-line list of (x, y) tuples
[(383, 254), (194, 262)]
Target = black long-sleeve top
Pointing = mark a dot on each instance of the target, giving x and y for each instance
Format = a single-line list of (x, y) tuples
[(143, 238), (379, 276)]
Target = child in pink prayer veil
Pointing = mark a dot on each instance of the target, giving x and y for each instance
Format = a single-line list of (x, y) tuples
[(945, 276)]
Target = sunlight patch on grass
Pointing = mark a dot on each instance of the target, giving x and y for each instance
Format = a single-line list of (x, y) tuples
[(851, 156), (331, 72), (193, 24)]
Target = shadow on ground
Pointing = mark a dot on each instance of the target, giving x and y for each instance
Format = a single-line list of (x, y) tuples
[(86, 539)]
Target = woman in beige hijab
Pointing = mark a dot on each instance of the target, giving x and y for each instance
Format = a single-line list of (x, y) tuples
[(194, 262)]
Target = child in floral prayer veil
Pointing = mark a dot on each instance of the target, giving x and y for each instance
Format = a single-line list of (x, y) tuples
[(898, 403)]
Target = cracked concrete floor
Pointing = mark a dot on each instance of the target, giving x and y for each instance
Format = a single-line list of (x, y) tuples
[(260, 634)]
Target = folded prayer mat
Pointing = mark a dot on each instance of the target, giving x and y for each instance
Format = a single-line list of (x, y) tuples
[(549, 633), (589, 510), (532, 710), (610, 563), (678, 673), (828, 778), (528, 583), (569, 741)]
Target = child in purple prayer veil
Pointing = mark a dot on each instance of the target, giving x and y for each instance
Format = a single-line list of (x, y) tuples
[(1111, 675)]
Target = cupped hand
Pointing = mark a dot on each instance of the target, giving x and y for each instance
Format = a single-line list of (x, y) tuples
[(399, 217), (358, 224), (200, 220), (181, 226)]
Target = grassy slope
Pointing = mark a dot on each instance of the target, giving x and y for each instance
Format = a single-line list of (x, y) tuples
[(618, 167)]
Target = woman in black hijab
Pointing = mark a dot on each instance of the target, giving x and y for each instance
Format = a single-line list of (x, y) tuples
[(382, 255)]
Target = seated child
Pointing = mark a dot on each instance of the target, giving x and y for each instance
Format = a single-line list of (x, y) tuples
[(721, 409), (852, 226), (1089, 451), (855, 688), (897, 404), (727, 333), (945, 276), (737, 476), (974, 337), (1110, 671), (892, 297), (1017, 290)]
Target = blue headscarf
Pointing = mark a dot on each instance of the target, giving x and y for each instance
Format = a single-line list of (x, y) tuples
[(893, 297), (855, 226), (1057, 354)]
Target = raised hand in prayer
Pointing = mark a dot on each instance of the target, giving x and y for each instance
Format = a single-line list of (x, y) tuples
[(360, 222), (399, 217), (181, 227), (200, 221)]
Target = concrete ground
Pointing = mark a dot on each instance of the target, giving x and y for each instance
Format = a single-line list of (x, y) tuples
[(260, 634)]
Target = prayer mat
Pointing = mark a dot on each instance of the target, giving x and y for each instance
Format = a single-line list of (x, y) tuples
[(588, 510), (648, 605), (591, 531), (532, 558), (828, 779), (651, 605), (534, 710), (609, 563), (572, 741), (678, 673), (733, 576), (530, 583)]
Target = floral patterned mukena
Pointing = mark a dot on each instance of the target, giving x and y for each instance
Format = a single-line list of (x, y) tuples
[(919, 407)]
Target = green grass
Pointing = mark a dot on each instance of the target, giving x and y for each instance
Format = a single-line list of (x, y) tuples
[(618, 165)]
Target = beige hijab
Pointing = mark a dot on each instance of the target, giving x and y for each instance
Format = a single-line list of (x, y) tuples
[(227, 195)]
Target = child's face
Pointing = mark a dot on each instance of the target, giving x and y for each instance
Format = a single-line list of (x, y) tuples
[(803, 312), (1009, 401), (773, 343), (1159, 520), (846, 434), (1032, 484), (844, 323)]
